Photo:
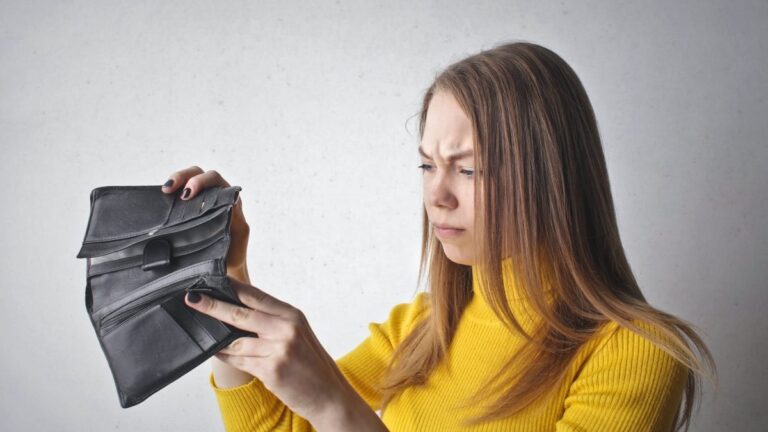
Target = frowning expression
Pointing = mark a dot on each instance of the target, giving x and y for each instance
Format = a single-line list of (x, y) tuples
[(446, 153)]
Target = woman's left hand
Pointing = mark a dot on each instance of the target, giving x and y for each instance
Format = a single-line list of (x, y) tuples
[(286, 357)]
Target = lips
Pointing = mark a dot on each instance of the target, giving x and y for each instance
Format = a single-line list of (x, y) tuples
[(447, 227), (447, 232)]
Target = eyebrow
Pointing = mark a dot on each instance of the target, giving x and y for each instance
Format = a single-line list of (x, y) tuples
[(450, 157)]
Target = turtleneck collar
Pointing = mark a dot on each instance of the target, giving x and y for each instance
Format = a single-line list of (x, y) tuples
[(479, 308)]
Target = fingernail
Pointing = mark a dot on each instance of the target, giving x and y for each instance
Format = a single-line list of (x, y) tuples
[(169, 183), (193, 297), (186, 193)]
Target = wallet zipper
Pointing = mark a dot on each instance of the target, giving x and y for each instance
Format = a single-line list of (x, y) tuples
[(117, 317)]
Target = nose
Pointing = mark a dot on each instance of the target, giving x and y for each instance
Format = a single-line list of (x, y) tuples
[(438, 192)]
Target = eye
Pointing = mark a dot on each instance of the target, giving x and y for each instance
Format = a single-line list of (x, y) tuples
[(466, 172)]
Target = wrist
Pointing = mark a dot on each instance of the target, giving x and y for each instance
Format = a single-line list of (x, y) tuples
[(226, 376), (348, 412)]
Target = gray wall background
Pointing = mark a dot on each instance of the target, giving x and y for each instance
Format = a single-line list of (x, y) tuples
[(305, 106)]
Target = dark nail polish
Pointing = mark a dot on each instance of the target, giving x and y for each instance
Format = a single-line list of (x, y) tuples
[(186, 193), (193, 297), (169, 183)]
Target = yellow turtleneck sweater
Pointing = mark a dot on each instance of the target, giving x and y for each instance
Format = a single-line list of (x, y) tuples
[(619, 381)]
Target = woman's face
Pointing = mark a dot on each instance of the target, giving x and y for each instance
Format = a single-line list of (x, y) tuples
[(449, 189)]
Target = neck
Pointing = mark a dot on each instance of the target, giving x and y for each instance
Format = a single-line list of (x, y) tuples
[(479, 309)]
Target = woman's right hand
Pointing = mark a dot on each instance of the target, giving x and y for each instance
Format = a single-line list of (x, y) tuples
[(195, 179)]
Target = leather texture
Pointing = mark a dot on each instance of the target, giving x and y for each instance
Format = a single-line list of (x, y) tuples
[(144, 251)]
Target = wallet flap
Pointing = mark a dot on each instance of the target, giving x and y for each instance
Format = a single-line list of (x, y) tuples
[(114, 222)]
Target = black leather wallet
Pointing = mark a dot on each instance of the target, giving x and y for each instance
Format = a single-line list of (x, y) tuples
[(145, 250)]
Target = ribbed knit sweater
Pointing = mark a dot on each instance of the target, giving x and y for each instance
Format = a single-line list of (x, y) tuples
[(618, 381)]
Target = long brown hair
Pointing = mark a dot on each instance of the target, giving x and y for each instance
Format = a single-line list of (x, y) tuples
[(543, 201)]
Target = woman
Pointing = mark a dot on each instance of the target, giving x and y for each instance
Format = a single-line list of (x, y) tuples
[(532, 321)]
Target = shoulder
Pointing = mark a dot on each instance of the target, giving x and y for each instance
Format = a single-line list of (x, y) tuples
[(631, 360), (407, 314), (615, 339), (624, 381), (402, 318)]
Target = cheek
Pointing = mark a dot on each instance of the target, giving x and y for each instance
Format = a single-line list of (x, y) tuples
[(468, 204), (468, 197)]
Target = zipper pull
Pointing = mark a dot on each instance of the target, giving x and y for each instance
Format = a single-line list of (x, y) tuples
[(199, 285)]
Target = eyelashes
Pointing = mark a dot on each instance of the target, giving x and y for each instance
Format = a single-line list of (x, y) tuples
[(427, 167)]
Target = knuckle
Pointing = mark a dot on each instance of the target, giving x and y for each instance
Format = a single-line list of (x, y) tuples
[(236, 346), (239, 314), (246, 297), (256, 295), (291, 332), (297, 327), (297, 316), (251, 299)]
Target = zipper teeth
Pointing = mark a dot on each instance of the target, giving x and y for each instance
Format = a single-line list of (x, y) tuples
[(116, 317)]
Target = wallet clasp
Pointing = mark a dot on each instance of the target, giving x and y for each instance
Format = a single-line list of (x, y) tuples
[(157, 253)]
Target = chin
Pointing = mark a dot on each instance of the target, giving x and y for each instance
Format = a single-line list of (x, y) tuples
[(457, 255)]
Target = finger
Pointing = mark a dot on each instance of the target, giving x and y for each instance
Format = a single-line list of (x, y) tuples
[(179, 178), (238, 217), (247, 364), (249, 346), (259, 300), (241, 317), (201, 181)]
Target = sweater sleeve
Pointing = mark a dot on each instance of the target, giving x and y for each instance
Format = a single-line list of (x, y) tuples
[(627, 384), (364, 366), (252, 407)]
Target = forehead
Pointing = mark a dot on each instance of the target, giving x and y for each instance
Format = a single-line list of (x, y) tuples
[(447, 129)]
